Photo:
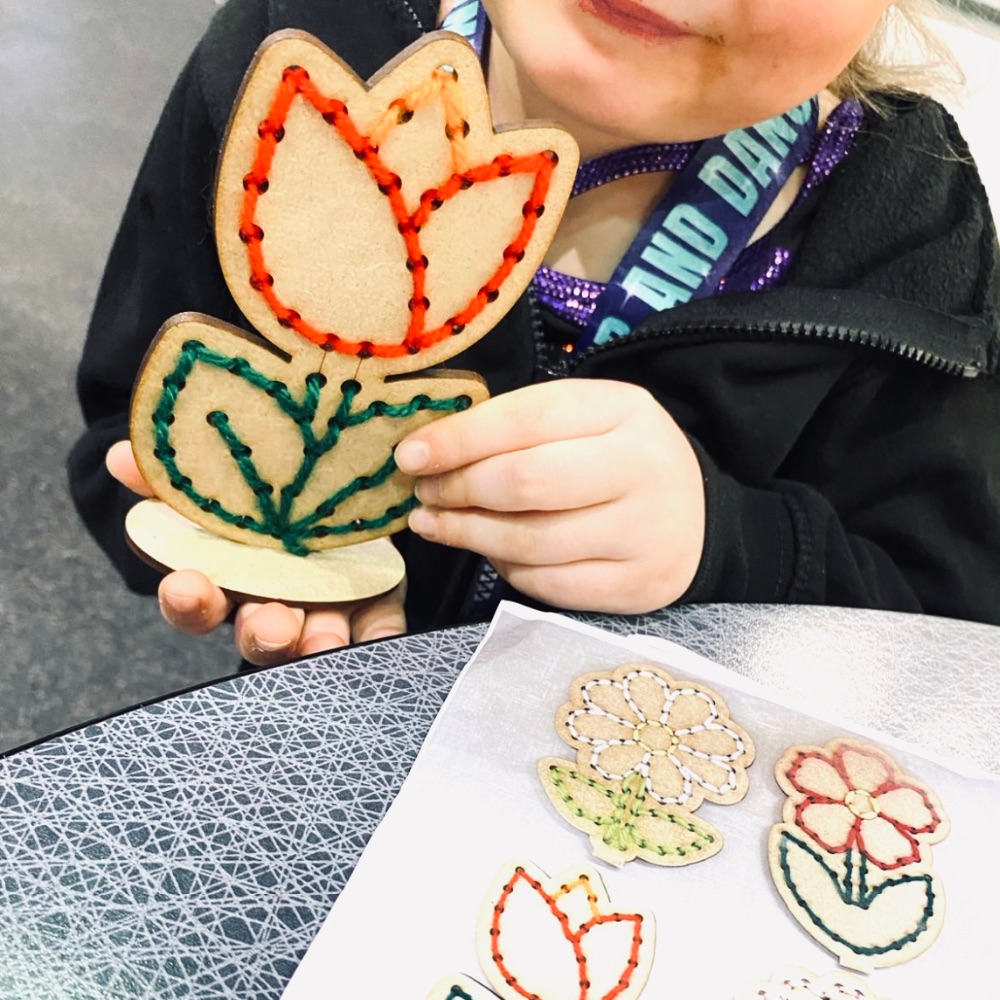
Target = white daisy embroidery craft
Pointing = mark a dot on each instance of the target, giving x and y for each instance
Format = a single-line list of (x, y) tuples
[(852, 858), (650, 750)]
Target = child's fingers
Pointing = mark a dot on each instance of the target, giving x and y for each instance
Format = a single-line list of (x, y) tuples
[(329, 628), (614, 586), (542, 538), (560, 475), (192, 603), (121, 464), (268, 633), (525, 418), (382, 617)]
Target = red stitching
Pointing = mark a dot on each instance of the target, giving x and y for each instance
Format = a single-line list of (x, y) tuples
[(295, 82), (575, 939)]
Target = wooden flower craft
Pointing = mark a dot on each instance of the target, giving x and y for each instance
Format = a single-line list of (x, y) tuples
[(852, 858), (798, 984), (558, 938), (367, 232), (650, 750), (460, 988)]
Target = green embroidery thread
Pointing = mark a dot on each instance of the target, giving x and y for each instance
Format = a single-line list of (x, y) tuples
[(627, 806), (855, 893), (275, 518)]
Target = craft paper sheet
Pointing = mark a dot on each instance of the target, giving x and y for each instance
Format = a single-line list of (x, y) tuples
[(473, 800)]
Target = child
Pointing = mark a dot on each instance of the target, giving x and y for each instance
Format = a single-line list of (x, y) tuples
[(821, 425)]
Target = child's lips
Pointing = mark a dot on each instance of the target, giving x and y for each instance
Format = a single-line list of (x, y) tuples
[(634, 19)]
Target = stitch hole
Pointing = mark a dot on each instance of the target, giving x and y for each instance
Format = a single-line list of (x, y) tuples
[(351, 386), (465, 128), (394, 184)]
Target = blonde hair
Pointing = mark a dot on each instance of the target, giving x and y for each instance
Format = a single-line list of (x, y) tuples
[(903, 54)]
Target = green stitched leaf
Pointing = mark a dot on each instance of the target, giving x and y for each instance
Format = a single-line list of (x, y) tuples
[(677, 836), (885, 918), (272, 507), (594, 802), (620, 823)]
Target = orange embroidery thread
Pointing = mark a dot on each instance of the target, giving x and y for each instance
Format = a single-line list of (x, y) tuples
[(443, 83), (294, 82), (575, 939)]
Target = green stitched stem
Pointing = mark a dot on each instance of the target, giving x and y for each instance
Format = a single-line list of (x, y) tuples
[(856, 878), (314, 450), (330, 505), (276, 521), (618, 833)]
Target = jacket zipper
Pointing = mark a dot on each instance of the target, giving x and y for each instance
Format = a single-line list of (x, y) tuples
[(841, 334)]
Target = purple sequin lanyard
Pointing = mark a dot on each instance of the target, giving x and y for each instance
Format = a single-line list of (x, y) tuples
[(703, 223)]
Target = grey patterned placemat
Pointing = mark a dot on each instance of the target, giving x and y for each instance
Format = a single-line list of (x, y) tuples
[(193, 847)]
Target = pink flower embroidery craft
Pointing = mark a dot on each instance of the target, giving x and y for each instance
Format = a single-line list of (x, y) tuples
[(854, 798), (852, 856)]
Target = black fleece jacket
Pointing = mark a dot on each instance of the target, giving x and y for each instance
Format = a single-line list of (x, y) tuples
[(848, 424)]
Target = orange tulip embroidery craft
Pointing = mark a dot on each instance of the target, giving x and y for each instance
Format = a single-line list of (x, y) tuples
[(367, 232), (558, 938), (555, 938), (650, 750), (852, 858)]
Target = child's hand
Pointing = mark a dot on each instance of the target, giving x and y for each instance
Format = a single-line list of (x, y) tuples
[(265, 633), (584, 494)]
